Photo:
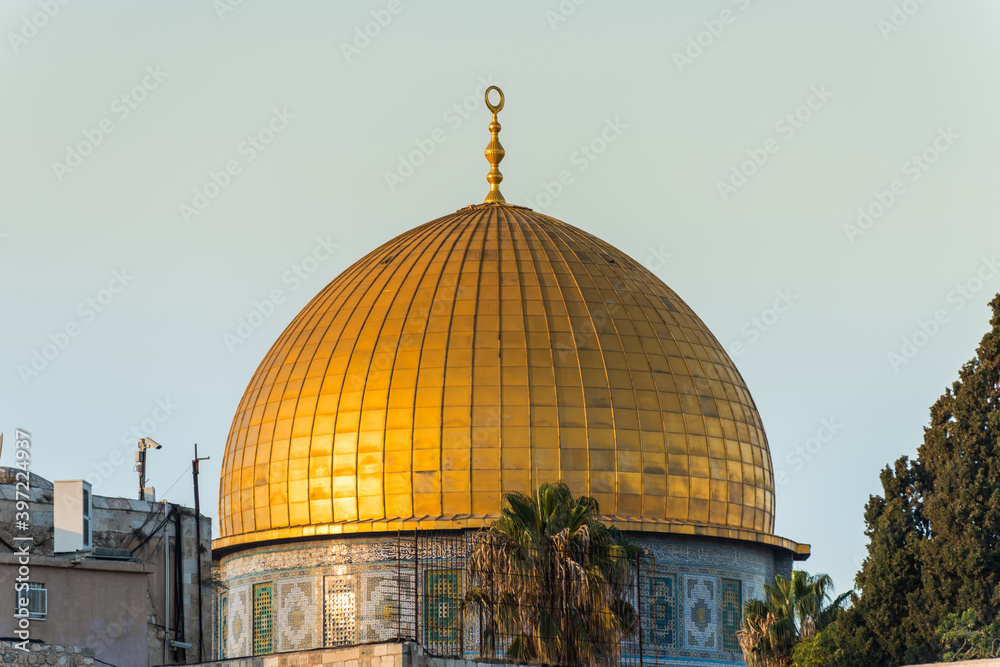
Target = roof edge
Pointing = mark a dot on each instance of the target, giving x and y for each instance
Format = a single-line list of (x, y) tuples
[(225, 545)]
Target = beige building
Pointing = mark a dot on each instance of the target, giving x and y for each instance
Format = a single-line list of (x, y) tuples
[(115, 576)]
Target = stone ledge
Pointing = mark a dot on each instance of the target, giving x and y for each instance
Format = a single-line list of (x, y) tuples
[(386, 654), (124, 566), (46, 654)]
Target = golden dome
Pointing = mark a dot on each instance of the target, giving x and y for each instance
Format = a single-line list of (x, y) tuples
[(489, 351)]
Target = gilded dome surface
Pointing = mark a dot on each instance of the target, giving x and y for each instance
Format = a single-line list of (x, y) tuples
[(489, 351)]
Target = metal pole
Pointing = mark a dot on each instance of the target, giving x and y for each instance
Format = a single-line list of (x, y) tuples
[(461, 597), (179, 607), (416, 585), (197, 519), (166, 583), (142, 472), (399, 589), (638, 604)]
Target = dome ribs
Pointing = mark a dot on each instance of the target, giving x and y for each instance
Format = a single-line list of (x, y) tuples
[(485, 352)]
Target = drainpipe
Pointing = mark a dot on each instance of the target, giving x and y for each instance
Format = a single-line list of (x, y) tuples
[(166, 585), (180, 653)]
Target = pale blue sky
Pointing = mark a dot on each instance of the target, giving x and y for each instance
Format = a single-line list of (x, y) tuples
[(197, 85)]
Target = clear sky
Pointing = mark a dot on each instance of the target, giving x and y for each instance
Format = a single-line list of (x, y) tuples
[(747, 134)]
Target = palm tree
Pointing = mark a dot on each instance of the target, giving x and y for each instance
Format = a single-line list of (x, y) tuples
[(550, 581), (788, 613)]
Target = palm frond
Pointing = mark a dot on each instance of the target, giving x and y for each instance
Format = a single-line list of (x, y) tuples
[(551, 580)]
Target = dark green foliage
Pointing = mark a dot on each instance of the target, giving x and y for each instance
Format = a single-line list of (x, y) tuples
[(818, 651), (553, 580), (934, 532), (966, 639), (791, 612)]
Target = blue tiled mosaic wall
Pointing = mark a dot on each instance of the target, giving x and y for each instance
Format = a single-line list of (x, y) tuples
[(349, 590)]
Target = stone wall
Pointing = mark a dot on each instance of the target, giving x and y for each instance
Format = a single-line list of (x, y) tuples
[(46, 654)]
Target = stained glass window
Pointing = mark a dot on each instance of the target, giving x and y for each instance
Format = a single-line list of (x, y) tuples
[(442, 592), (263, 619), (223, 624), (339, 610), (732, 603)]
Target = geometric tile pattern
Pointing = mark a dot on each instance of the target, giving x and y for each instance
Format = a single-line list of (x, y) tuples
[(297, 615), (442, 594), (662, 630), (263, 619), (339, 610), (723, 560), (381, 593), (361, 589), (783, 566), (700, 605), (730, 605), (239, 622)]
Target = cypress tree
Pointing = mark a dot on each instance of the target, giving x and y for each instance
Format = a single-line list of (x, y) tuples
[(934, 531)]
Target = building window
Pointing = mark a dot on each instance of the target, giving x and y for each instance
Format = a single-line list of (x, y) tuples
[(86, 517), (339, 611), (38, 600), (442, 592), (732, 604), (263, 619), (223, 625)]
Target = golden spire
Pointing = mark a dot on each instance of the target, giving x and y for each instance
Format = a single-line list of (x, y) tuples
[(494, 152)]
